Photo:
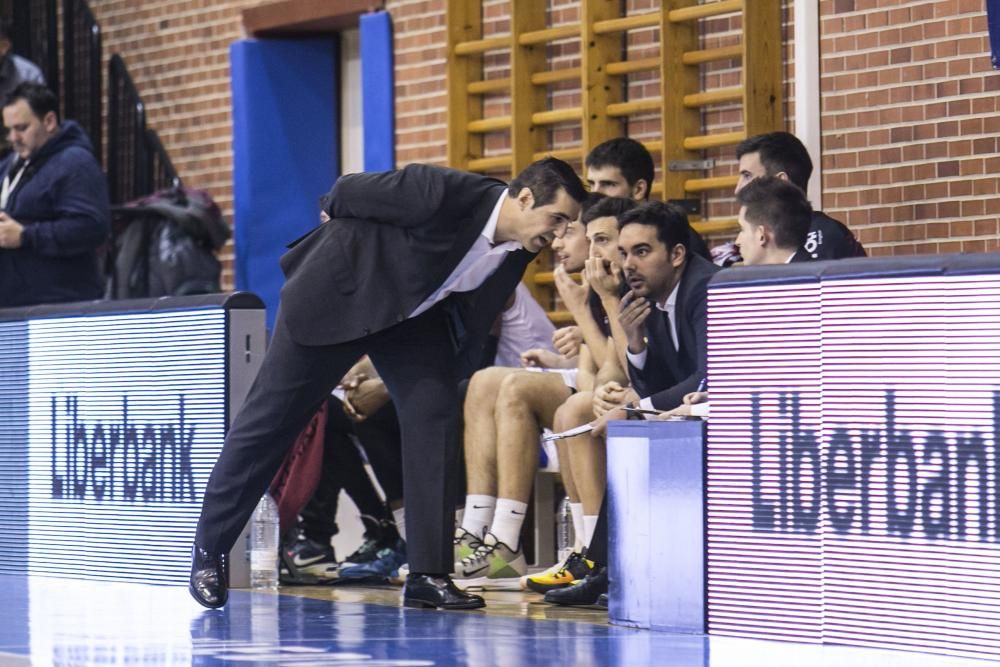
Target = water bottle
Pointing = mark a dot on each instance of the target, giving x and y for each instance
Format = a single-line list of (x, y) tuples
[(264, 545), (564, 530)]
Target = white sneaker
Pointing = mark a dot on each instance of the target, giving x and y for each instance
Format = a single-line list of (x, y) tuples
[(400, 577), (492, 566)]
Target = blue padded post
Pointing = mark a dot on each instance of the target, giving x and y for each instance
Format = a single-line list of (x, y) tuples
[(285, 151), (993, 14), (378, 92)]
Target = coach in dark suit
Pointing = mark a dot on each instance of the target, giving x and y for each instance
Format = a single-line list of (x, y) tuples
[(412, 269), (664, 315)]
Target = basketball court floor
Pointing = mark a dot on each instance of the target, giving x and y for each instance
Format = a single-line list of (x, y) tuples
[(45, 621)]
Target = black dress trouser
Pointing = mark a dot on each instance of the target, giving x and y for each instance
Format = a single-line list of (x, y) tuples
[(379, 437), (416, 360), (343, 467), (597, 550)]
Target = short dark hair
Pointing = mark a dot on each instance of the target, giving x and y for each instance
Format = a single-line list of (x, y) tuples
[(670, 220), (780, 151), (6, 29), (781, 206), (628, 155), (545, 178), (39, 97), (607, 207), (589, 202)]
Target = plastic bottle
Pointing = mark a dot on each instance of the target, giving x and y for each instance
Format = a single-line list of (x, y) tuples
[(564, 530), (264, 545)]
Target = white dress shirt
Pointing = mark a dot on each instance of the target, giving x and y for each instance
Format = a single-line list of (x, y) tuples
[(670, 308), (639, 360), (478, 264)]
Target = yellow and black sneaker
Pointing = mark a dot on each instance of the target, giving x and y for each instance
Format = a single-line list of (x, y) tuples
[(560, 575)]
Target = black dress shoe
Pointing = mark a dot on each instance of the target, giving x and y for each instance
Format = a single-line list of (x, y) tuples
[(602, 600), (582, 593), (438, 592), (209, 583)]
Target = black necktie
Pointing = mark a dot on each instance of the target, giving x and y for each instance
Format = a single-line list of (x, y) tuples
[(658, 337), (669, 336), (18, 165)]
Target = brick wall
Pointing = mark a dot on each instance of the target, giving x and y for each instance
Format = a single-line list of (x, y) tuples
[(421, 100), (177, 52), (416, 41), (910, 129)]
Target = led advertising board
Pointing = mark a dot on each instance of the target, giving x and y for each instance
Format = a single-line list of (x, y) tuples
[(118, 421), (852, 467)]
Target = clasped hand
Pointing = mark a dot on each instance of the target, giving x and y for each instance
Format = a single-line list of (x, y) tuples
[(11, 232), (363, 396), (610, 396)]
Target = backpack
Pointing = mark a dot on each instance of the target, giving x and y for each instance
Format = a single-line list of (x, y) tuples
[(165, 245)]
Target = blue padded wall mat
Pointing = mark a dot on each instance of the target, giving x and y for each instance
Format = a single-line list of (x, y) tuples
[(286, 151), (378, 91), (993, 18)]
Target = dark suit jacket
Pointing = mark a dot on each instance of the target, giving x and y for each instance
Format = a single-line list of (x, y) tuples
[(393, 238), (667, 376)]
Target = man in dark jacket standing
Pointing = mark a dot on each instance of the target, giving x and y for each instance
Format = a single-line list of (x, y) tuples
[(54, 208), (412, 269)]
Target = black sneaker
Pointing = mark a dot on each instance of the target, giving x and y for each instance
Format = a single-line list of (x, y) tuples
[(585, 592), (308, 562), (382, 536), (383, 569)]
